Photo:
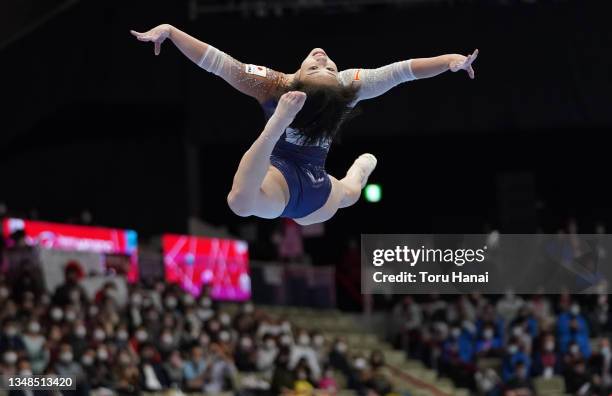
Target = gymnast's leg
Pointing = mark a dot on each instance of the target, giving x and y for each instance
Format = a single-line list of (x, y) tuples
[(356, 179), (345, 192), (259, 189)]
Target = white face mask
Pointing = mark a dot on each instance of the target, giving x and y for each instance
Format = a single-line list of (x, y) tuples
[(99, 335), (4, 292), (136, 300), (80, 331), (517, 331), (93, 310), (87, 360), (605, 351), (285, 340), (102, 354), (205, 314), (512, 349), (122, 335), (574, 349), (549, 346), (34, 327), (488, 334), (56, 314), (66, 357), (167, 339), (575, 309), (225, 319), (246, 343), (171, 302), (248, 308), (304, 339), (341, 347), (10, 331), (318, 340), (25, 372), (70, 316), (360, 363), (224, 336), (270, 343), (10, 357), (141, 335)]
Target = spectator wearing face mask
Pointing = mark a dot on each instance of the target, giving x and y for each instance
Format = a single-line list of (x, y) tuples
[(514, 355), (153, 377), (572, 327), (167, 342), (71, 292), (546, 360), (103, 376), (141, 336), (600, 318), (600, 364), (88, 362), (36, 350), (10, 337), (328, 381), (245, 354), (519, 383), (379, 379), (458, 346), (266, 354), (318, 345), (78, 338), (221, 371), (360, 376), (283, 377), (577, 379), (195, 369), (174, 369), (489, 344), (126, 374), (66, 366), (488, 382), (9, 362), (303, 384), (302, 349), (338, 358)]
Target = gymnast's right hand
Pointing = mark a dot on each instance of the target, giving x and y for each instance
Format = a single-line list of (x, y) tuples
[(157, 35)]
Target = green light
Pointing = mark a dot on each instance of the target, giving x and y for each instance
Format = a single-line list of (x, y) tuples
[(372, 192)]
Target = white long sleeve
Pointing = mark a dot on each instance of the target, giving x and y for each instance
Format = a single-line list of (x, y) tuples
[(375, 82)]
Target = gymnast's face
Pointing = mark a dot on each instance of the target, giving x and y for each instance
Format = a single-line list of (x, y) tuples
[(318, 68)]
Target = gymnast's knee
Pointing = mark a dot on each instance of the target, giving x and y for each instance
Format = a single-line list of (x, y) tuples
[(239, 203)]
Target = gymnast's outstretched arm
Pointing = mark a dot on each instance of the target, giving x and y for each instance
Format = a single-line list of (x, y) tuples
[(375, 82), (259, 82)]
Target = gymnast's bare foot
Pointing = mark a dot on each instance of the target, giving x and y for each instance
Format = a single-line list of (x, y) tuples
[(288, 107)]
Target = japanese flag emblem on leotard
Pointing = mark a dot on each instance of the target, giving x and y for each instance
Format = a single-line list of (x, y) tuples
[(257, 70)]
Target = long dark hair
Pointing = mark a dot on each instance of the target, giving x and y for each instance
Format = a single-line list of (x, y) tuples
[(326, 108)]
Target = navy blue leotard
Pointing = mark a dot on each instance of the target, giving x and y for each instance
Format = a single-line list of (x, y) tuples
[(303, 167)]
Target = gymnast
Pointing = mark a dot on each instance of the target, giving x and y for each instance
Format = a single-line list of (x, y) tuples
[(283, 173)]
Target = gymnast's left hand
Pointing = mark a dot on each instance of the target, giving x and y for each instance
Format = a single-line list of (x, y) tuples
[(157, 35), (460, 62)]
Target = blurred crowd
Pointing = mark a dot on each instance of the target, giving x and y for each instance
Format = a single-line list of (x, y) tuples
[(500, 345), (163, 338)]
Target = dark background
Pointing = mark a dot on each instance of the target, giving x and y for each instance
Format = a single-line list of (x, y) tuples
[(91, 119)]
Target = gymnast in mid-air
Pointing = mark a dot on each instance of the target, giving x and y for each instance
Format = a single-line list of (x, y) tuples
[(283, 173)]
